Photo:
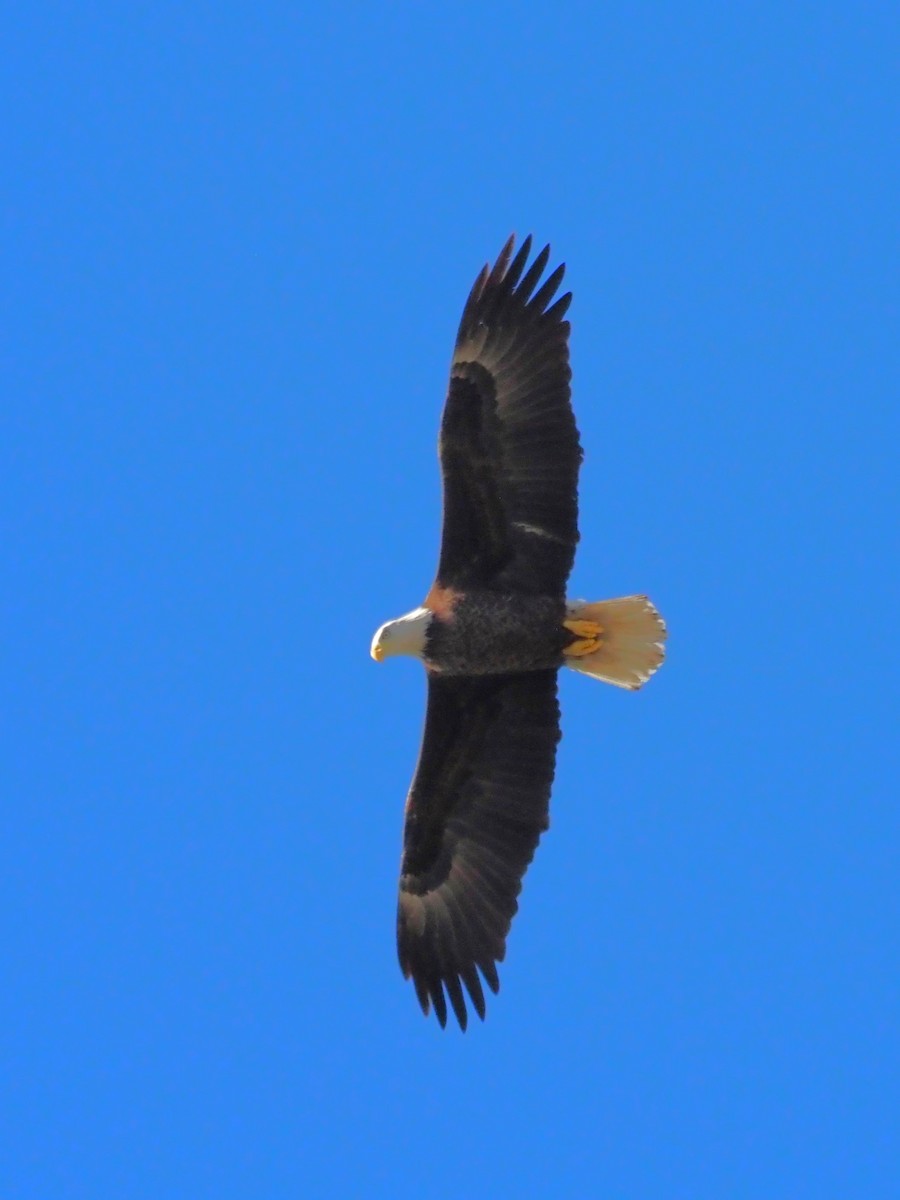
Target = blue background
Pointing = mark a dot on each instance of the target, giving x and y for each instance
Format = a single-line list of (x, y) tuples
[(236, 242)]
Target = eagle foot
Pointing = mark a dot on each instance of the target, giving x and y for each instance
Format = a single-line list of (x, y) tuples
[(587, 634)]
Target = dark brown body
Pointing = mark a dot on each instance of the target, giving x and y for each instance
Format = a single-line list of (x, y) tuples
[(487, 633)]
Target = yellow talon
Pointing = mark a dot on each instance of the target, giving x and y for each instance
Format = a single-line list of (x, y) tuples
[(583, 629), (588, 637), (582, 647)]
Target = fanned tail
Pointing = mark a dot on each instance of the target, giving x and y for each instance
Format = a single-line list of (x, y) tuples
[(629, 635)]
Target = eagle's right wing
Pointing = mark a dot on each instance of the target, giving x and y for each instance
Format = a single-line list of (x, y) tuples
[(476, 809)]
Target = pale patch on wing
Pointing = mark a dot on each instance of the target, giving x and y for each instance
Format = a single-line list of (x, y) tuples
[(414, 911), (485, 347), (538, 532), (472, 349)]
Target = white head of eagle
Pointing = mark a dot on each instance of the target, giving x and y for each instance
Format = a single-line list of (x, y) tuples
[(406, 635)]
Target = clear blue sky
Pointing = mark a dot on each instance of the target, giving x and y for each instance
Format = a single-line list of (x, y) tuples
[(236, 241)]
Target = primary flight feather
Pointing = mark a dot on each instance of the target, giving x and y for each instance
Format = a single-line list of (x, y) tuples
[(494, 630)]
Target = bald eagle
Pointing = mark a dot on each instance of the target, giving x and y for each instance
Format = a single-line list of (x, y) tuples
[(493, 631)]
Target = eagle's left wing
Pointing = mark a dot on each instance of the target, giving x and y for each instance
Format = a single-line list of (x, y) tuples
[(509, 444)]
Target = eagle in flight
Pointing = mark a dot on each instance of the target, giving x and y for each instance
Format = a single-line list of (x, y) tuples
[(494, 630)]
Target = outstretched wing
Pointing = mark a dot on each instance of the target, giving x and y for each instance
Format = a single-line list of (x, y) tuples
[(476, 809), (509, 445)]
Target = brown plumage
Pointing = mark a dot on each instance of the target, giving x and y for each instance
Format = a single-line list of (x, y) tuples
[(493, 631)]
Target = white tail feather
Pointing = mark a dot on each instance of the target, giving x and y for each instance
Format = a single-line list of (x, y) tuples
[(631, 640)]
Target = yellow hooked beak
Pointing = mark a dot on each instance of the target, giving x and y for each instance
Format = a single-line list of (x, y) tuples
[(378, 652)]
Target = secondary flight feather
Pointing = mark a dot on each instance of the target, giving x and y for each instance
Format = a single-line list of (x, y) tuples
[(493, 631)]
